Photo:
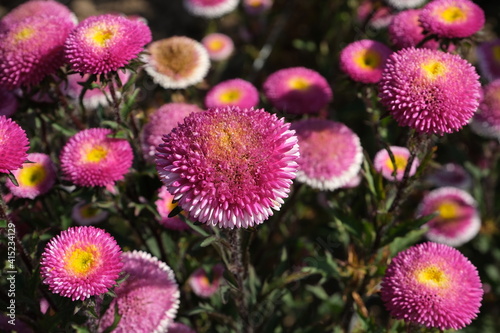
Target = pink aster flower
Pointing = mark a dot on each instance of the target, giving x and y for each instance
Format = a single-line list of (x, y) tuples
[(210, 8), (330, 153), (179, 328), (457, 221), (87, 213), (34, 178), (201, 284), (32, 49), (297, 90), (92, 158), (364, 60), (165, 205), (429, 90), (105, 43), (452, 18), (229, 166), (378, 14), (450, 174), (405, 4), (38, 8), (234, 92), (93, 98), (81, 262), (14, 145), (434, 285), (9, 103), (405, 30), (177, 62), (219, 46), (147, 300), (257, 7), (486, 122), (488, 56), (161, 122), (394, 171)]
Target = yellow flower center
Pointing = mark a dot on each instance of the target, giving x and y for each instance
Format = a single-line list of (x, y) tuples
[(81, 261), (24, 34), (87, 211), (453, 14), (32, 174), (203, 280), (496, 52), (432, 276), (96, 154), (216, 45), (368, 59), (100, 35), (230, 95), (434, 69), (299, 83), (448, 210), (169, 205), (399, 163)]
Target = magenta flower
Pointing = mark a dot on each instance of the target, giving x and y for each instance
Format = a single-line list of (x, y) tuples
[(87, 213), (405, 30), (32, 49), (177, 62), (161, 122), (297, 90), (38, 8), (165, 205), (457, 221), (200, 283), (210, 8), (257, 7), (330, 153), (229, 166), (394, 170), (81, 262), (488, 56), (14, 145), (34, 178), (486, 122), (452, 18), (9, 103), (92, 158), (429, 90), (104, 43), (234, 92), (219, 46), (434, 285), (364, 60), (147, 300)]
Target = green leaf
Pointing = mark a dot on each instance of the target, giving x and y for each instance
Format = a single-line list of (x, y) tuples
[(209, 240), (12, 178)]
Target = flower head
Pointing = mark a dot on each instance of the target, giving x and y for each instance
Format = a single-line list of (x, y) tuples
[(229, 166), (177, 62), (179, 328), (210, 8), (92, 158), (330, 153), (257, 7), (165, 205), (297, 90), (200, 283), (488, 56), (450, 174), (104, 43), (31, 49), (433, 285), (405, 30), (86, 213), (429, 90), (394, 170), (364, 60), (219, 46), (486, 122), (38, 8), (375, 15), (35, 178), (9, 103), (452, 18), (457, 220), (81, 262), (405, 4), (161, 122), (147, 300), (234, 92), (14, 145)]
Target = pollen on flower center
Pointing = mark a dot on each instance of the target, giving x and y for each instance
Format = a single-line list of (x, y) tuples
[(368, 59), (216, 45), (434, 69), (24, 34), (32, 175), (82, 261), (175, 58), (100, 35), (453, 14), (448, 210), (96, 154), (432, 276), (399, 163), (231, 95), (299, 83)]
